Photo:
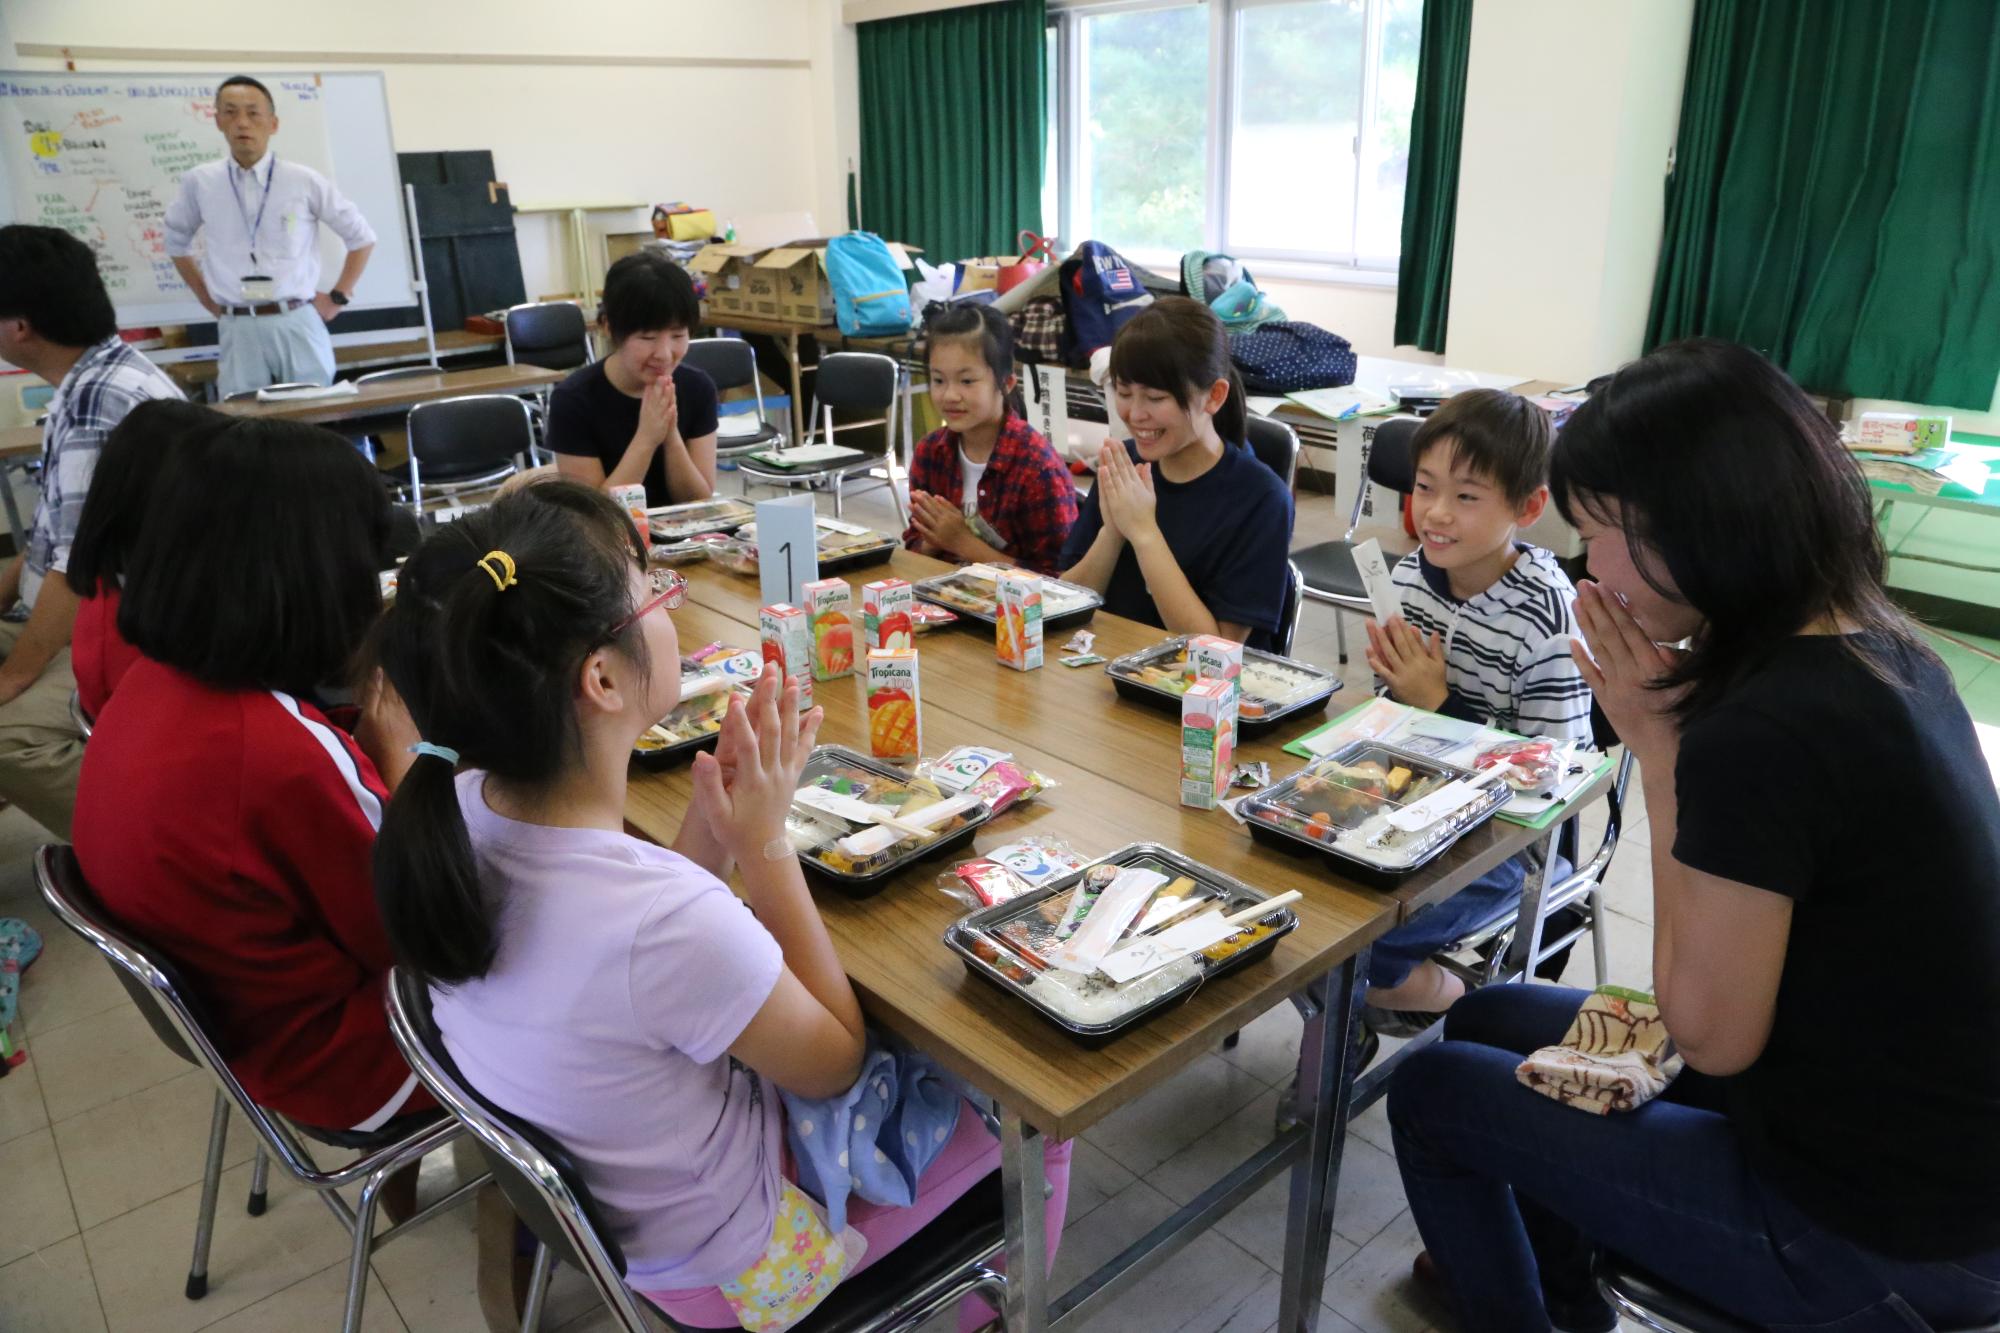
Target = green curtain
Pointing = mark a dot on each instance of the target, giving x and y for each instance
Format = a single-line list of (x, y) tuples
[(1430, 192), (1835, 200), (952, 127)]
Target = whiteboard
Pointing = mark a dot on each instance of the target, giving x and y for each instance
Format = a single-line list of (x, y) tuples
[(102, 156)]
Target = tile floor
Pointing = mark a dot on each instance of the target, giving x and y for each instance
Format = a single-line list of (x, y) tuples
[(102, 1132)]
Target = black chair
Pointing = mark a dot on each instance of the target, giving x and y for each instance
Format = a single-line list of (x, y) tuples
[(1330, 575), (463, 444), (549, 334), (732, 364), (175, 1014), (865, 382), (1295, 596), (1277, 444), (946, 1261)]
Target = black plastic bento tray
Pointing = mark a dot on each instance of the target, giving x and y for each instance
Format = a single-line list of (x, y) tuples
[(681, 530), (990, 619), (1246, 727), (872, 883), (867, 555), (1353, 867), (1234, 892), (672, 756)]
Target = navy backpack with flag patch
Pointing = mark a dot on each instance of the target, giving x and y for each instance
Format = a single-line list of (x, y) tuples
[(1100, 291)]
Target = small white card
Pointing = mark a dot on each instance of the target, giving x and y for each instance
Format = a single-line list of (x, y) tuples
[(1374, 572), (1156, 951), (787, 548)]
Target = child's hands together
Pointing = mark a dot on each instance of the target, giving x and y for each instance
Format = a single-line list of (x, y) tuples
[(659, 409), (745, 788), (1411, 663), (940, 522), (1125, 498)]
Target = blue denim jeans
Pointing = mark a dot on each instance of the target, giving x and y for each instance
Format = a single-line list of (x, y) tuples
[(1513, 1191), (1397, 953)]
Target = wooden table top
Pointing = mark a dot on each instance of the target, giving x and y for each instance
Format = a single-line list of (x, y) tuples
[(387, 397), (192, 375), (20, 441), (1116, 785)]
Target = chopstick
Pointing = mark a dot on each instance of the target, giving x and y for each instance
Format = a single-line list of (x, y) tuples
[(1262, 909)]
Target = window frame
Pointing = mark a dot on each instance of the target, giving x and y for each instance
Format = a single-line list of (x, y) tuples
[(1066, 18)]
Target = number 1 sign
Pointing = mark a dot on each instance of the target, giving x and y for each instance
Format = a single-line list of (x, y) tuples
[(787, 547)]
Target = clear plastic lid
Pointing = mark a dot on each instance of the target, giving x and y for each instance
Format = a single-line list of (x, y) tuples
[(673, 522), (855, 817), (975, 591), (1342, 803), (1268, 683)]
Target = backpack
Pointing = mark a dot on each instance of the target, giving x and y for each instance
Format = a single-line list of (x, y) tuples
[(1290, 356), (1100, 291), (1221, 283), (870, 298)]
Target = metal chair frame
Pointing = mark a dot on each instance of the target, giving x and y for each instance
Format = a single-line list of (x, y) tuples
[(171, 1014), (371, 444), (836, 473), (414, 491), (755, 382)]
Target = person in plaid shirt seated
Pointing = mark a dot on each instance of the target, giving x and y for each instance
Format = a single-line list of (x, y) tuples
[(56, 321), (988, 486)]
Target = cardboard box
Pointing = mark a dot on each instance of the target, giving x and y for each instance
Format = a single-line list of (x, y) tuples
[(830, 611), (788, 642), (885, 614), (1211, 657), (1017, 626), (726, 269), (790, 282), (1208, 742), (895, 704), (1901, 432)]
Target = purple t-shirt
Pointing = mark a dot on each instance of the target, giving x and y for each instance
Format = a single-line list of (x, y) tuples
[(624, 974)]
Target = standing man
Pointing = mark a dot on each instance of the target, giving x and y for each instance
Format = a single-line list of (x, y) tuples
[(259, 272), (56, 321)]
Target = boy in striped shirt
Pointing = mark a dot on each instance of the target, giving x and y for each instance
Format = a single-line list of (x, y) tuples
[(1484, 636)]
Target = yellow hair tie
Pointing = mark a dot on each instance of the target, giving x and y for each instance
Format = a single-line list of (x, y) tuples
[(499, 567)]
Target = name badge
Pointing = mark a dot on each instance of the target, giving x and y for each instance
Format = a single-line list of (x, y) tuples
[(257, 289)]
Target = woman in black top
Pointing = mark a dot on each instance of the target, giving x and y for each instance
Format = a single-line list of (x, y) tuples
[(641, 416), (1824, 834)]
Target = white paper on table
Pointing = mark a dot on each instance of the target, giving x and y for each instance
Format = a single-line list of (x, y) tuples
[(1156, 951), (1967, 472), (1374, 571), (1264, 406), (1109, 918), (883, 836), (704, 683), (738, 426), (311, 392)]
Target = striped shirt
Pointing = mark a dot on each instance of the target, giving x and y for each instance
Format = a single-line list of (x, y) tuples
[(1506, 654), (107, 382)]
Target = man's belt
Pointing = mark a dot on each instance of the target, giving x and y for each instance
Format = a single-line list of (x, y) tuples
[(267, 308)]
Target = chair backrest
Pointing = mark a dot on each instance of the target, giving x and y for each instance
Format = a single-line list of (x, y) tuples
[(1295, 596), (730, 362), (79, 717), (549, 334), (1277, 444), (541, 1181), (398, 373), (171, 1007), (244, 395), (471, 431), (857, 381), (1390, 462)]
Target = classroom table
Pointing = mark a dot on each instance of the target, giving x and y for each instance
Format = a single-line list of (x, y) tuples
[(1112, 789), (1954, 496), (392, 397), (197, 378)]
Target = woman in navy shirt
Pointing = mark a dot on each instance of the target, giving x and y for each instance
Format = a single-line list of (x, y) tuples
[(1186, 529)]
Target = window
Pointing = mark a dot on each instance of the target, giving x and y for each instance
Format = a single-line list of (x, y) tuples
[(1270, 129)]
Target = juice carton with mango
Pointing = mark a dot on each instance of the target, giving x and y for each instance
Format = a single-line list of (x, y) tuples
[(895, 717)]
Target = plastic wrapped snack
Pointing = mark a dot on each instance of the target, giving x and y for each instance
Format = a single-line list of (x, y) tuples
[(1535, 765)]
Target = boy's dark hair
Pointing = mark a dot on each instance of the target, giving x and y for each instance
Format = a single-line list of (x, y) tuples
[(260, 569), (1176, 345), (646, 291), (491, 673), (245, 81), (121, 486), (1717, 466), (1500, 437), (985, 328), (49, 278)]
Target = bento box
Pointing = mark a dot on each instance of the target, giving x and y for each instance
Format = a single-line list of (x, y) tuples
[(1270, 689), (673, 523), (856, 821), (710, 676), (1340, 806), (973, 592), (837, 550), (1015, 945)]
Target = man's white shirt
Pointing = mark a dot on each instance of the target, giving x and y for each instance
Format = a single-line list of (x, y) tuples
[(223, 200)]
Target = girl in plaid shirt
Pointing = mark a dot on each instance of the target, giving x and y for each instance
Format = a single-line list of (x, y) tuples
[(988, 486)]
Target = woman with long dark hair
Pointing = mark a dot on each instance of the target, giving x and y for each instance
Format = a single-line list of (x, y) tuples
[(1823, 829)]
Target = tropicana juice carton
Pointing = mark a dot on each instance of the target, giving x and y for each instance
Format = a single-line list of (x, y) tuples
[(886, 605), (788, 642), (1212, 657), (1017, 622), (1208, 742), (830, 612), (895, 704)]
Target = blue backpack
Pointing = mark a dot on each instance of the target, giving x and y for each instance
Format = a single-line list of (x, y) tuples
[(1100, 291), (870, 297)]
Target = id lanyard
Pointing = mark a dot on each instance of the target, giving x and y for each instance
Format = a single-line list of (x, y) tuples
[(270, 177)]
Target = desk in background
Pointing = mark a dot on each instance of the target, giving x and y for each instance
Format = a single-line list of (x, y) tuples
[(390, 397), (1888, 494), (197, 378)]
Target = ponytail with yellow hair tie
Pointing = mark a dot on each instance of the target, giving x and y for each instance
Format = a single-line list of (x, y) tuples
[(499, 567)]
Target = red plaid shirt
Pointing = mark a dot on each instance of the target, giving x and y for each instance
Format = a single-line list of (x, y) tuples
[(1026, 492)]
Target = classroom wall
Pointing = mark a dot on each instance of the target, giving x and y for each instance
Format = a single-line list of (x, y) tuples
[(743, 140), (1571, 108)]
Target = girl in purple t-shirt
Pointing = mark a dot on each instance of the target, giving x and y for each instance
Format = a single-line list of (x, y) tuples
[(613, 992)]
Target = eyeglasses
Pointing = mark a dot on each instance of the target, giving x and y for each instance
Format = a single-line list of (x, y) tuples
[(669, 591)]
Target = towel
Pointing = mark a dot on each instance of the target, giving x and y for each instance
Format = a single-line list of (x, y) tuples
[(1617, 1055), (876, 1139)]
